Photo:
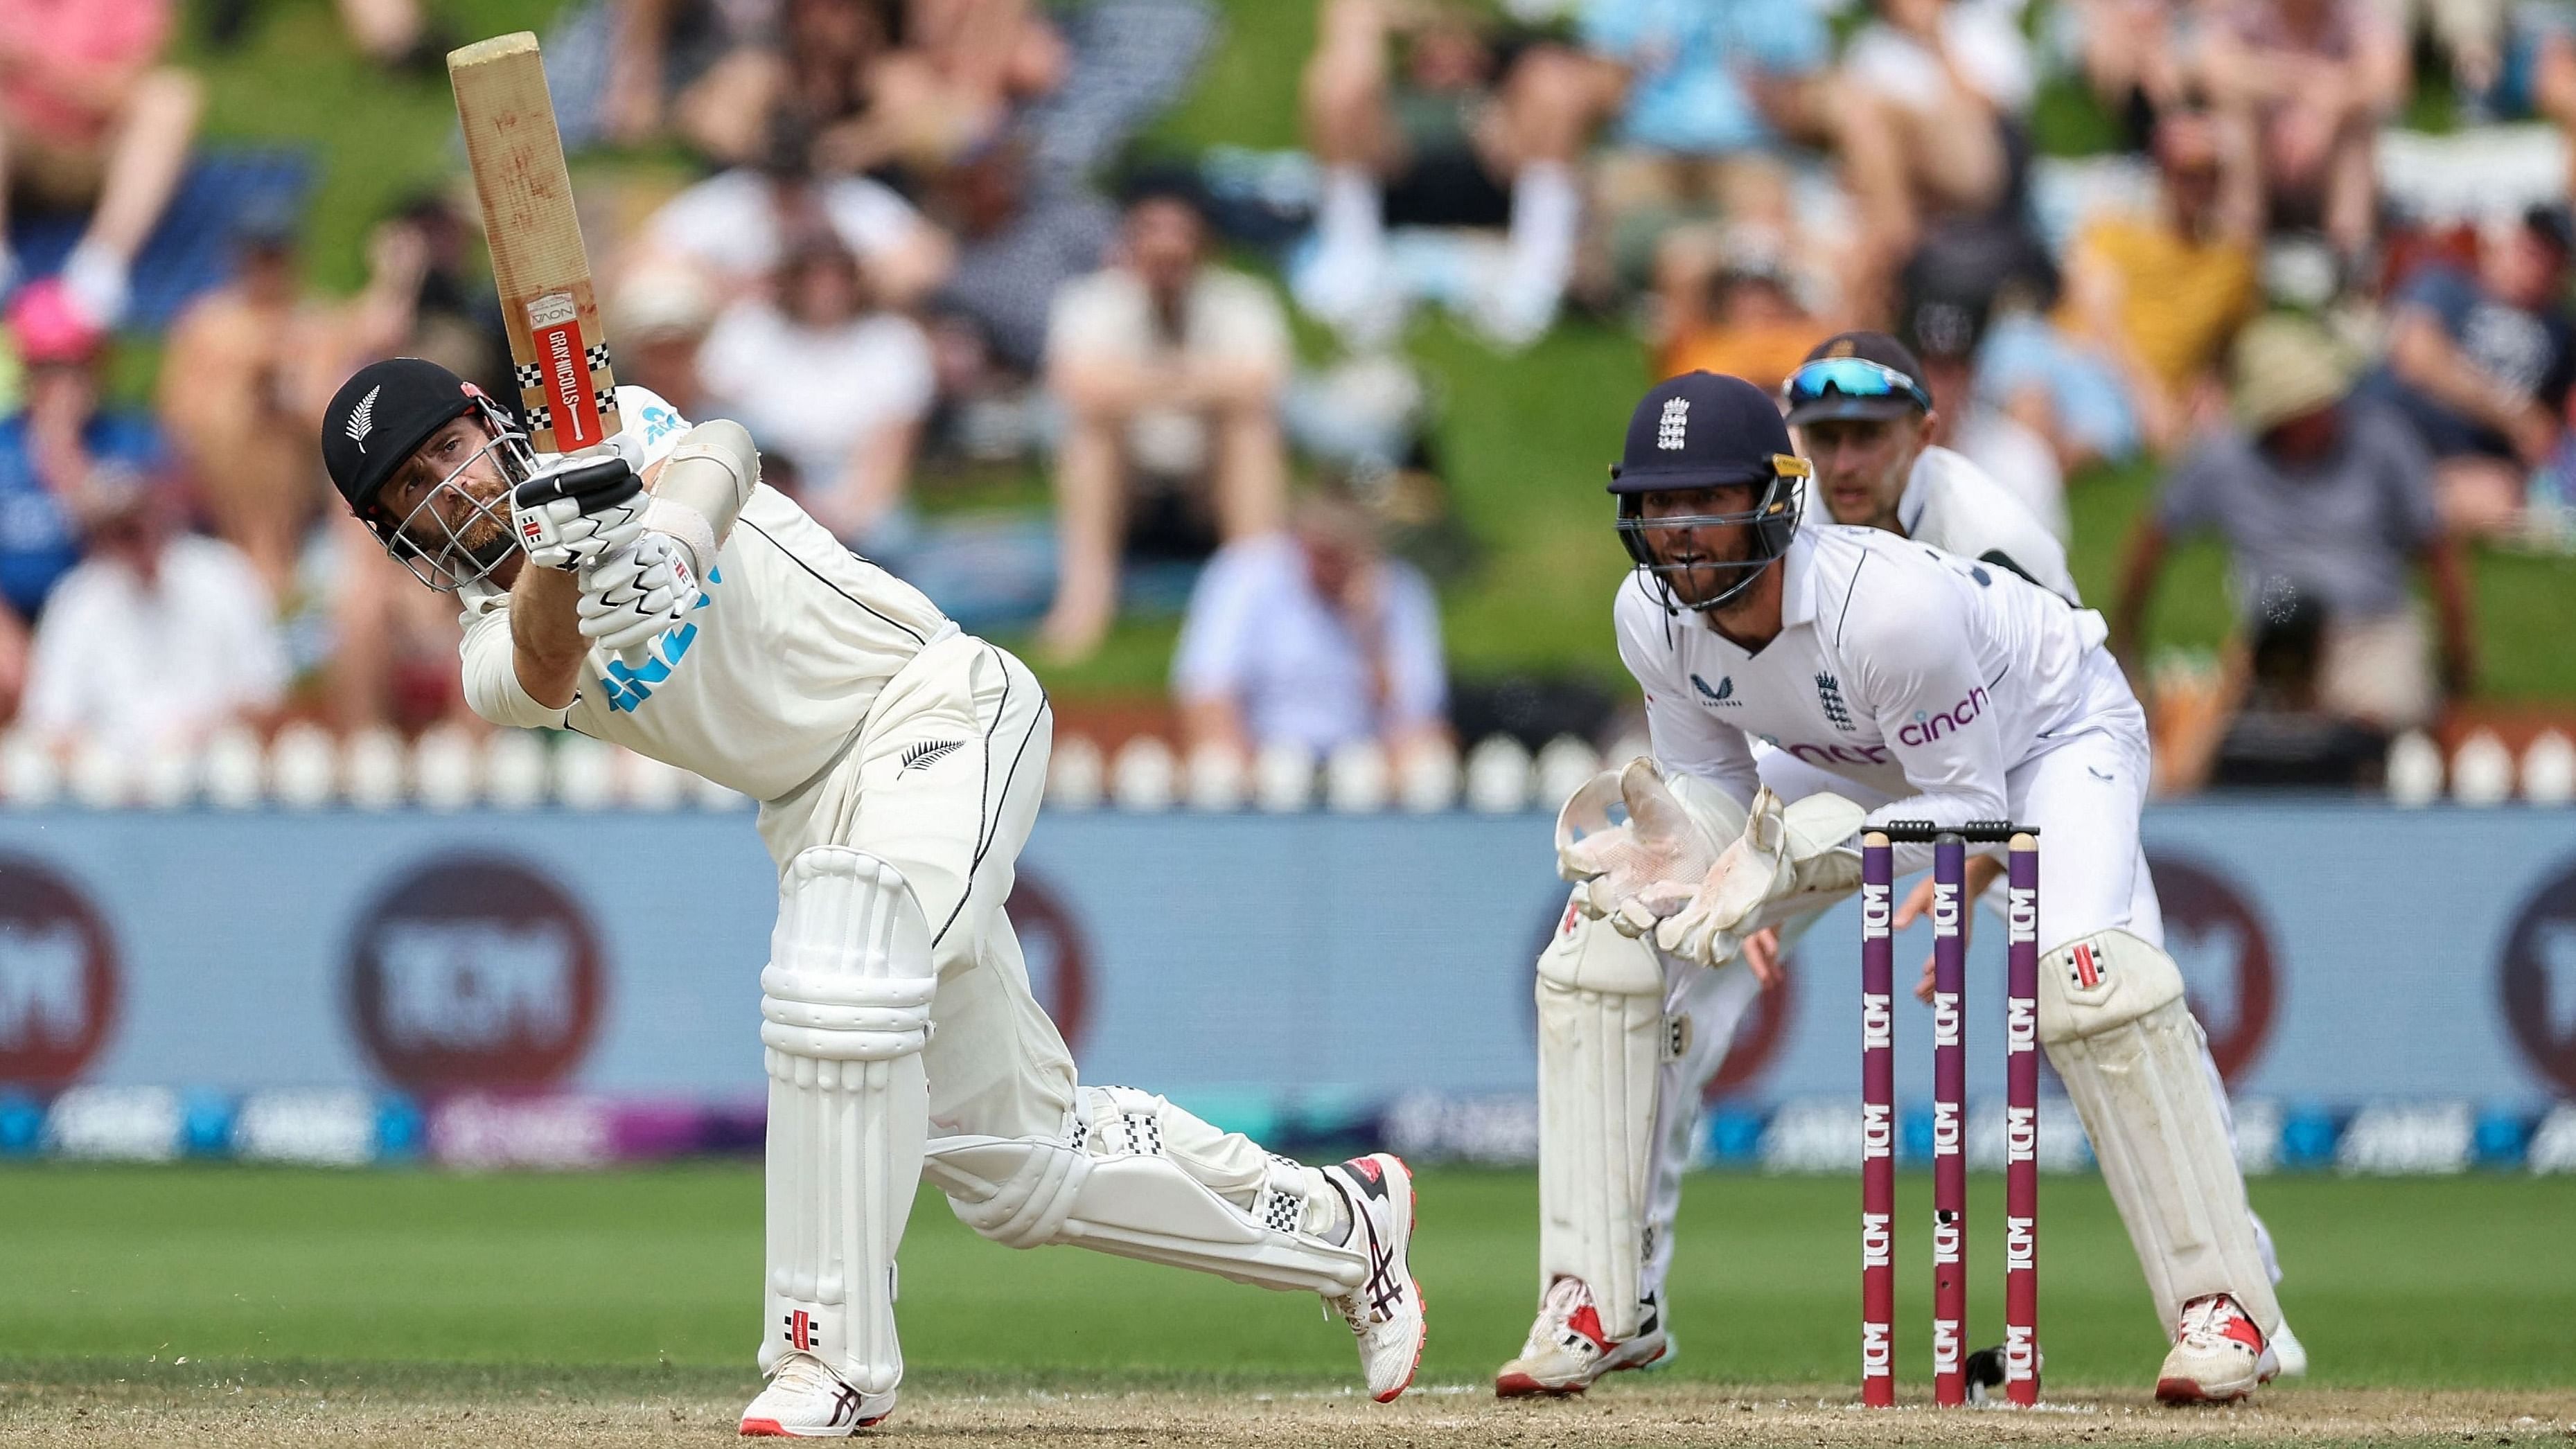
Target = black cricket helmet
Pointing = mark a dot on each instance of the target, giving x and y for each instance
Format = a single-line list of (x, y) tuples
[(1708, 430), (377, 420)]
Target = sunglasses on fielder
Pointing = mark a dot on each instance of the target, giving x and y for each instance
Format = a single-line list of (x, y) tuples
[(1852, 377)]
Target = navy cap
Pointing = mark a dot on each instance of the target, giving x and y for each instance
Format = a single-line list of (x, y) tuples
[(1700, 430)]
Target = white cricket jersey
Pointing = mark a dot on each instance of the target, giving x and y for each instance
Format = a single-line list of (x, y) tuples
[(1920, 674), (1954, 505), (770, 677)]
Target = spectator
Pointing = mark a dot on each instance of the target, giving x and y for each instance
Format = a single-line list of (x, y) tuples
[(1018, 245), (1313, 638), (1170, 371), (2311, 81), (2150, 304), (393, 643), (89, 123), (158, 638), (1710, 91), (829, 378), (1753, 325), (1466, 134), (2273, 728), (2330, 494), (2482, 362), (737, 224), (1944, 324), (705, 69), (2131, 57), (50, 450), (1945, 79), (949, 86), (659, 314), (237, 396)]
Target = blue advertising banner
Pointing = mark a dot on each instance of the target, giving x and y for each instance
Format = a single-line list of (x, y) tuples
[(2337, 953)]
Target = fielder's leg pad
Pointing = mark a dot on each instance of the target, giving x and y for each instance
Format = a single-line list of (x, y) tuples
[(2112, 1015), (1602, 1042), (845, 1011), (1122, 1178)]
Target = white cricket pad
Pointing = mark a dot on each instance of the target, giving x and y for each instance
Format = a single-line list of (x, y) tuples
[(1602, 1041), (845, 1011), (1133, 1175), (2112, 1015)]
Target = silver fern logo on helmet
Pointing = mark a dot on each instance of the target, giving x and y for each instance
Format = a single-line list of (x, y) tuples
[(1669, 429), (362, 418)]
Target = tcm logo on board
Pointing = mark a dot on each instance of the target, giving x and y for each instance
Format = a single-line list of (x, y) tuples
[(58, 978), (1059, 960), (2537, 980), (474, 973), (2225, 952)]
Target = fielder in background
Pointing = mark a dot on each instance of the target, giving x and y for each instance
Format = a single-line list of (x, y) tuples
[(1801, 679), (654, 593)]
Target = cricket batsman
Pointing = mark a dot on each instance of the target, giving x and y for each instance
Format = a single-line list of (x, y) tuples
[(652, 592), (1802, 679)]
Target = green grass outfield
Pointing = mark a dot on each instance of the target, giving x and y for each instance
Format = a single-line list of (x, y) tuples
[(2465, 1282)]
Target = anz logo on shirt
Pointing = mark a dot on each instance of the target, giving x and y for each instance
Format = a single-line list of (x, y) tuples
[(659, 423), (1724, 694), (630, 686)]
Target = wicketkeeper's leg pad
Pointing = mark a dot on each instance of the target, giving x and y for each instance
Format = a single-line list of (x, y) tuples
[(1602, 1042), (2112, 1015), (845, 1010), (1133, 1175)]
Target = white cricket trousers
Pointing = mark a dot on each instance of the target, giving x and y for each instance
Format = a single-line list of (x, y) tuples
[(943, 784)]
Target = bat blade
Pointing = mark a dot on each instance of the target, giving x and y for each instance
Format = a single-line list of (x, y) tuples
[(558, 350)]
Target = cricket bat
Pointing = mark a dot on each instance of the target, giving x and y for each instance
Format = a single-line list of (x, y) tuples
[(557, 348)]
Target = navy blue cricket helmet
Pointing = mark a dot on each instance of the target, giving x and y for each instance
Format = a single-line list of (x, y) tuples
[(1708, 430)]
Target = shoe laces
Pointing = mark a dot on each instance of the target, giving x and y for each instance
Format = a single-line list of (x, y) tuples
[(803, 1373), (2216, 1321)]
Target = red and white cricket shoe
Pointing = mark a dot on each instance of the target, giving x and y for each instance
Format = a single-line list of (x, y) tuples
[(2217, 1355), (1567, 1350), (805, 1400), (1385, 1312)]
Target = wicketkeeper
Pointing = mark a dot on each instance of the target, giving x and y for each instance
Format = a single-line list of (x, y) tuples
[(655, 594), (1802, 677)]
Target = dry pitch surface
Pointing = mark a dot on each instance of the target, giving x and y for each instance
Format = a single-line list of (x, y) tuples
[(1643, 1414)]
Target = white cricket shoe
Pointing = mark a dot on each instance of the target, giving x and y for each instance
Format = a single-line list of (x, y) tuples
[(805, 1400), (2217, 1356), (2284, 1357), (1386, 1311), (1567, 1350)]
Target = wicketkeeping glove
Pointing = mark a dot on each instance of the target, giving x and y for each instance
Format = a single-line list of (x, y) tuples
[(1787, 851), (576, 511), (638, 592), (1638, 871)]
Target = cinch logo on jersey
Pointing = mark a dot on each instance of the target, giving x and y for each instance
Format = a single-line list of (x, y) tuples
[(1929, 727), (628, 686), (1724, 693)]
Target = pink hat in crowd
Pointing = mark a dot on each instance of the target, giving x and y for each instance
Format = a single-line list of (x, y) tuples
[(47, 328)]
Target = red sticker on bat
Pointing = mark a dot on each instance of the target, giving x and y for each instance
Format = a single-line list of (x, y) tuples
[(554, 326)]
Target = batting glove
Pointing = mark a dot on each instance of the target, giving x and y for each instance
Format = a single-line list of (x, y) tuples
[(634, 595), (573, 512)]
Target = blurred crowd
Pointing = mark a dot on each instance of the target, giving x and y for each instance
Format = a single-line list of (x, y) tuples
[(920, 241)]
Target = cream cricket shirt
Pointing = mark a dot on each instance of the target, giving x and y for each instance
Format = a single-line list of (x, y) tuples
[(772, 674), (1920, 674)]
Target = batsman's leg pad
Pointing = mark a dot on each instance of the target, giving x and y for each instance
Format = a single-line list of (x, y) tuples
[(1133, 1175), (2112, 1015), (1602, 1042), (845, 1010)]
